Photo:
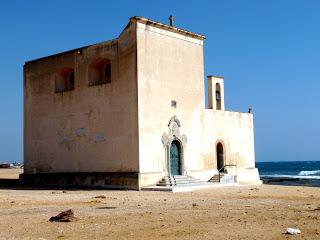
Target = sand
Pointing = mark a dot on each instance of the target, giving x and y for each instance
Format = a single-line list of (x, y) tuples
[(262, 212), (10, 173)]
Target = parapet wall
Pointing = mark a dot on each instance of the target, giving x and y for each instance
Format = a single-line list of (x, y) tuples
[(235, 131)]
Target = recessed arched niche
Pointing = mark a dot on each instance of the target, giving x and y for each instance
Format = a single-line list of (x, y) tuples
[(100, 72), (64, 80)]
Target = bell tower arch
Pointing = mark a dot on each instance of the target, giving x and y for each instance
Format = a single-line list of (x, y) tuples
[(216, 93)]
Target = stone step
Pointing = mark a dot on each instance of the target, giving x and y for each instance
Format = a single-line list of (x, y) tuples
[(164, 183), (224, 178), (178, 176), (178, 183), (179, 180), (215, 178)]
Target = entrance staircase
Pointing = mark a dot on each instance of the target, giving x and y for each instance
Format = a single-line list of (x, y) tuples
[(223, 178), (216, 178), (183, 183), (180, 180)]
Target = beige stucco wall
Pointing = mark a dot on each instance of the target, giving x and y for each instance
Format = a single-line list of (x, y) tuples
[(170, 67), (235, 131), (89, 129)]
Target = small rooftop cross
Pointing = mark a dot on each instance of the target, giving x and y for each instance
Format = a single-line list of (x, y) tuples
[(171, 18)]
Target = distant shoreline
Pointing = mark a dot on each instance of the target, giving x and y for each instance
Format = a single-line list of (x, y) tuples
[(290, 181)]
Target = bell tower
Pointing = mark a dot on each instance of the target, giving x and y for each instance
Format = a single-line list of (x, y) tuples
[(216, 93)]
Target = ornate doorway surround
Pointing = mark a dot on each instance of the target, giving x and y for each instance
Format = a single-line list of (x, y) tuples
[(167, 139)]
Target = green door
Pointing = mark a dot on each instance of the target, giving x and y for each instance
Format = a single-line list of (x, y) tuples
[(175, 158)]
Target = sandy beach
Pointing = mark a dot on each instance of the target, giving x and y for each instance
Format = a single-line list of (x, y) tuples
[(262, 212)]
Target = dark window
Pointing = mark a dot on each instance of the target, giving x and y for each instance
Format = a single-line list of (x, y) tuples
[(65, 80), (173, 103), (107, 72), (218, 95), (71, 79), (100, 72)]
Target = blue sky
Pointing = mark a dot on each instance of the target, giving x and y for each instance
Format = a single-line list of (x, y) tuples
[(268, 52)]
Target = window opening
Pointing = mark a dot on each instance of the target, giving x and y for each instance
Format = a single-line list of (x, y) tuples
[(218, 97), (100, 72), (65, 81)]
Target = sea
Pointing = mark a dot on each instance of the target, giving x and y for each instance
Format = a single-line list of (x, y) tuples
[(299, 173)]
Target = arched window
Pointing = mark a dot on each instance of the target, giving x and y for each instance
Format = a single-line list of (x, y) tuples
[(218, 96), (100, 72), (65, 80)]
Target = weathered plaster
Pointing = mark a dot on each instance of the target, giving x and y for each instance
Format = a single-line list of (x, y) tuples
[(127, 126)]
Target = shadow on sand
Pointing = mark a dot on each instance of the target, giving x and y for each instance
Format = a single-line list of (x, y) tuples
[(16, 184)]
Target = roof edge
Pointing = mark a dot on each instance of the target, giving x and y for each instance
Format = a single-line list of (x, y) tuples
[(134, 18), (68, 51), (167, 27), (215, 76)]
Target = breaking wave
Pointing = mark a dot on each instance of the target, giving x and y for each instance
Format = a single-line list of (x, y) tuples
[(308, 173), (291, 176)]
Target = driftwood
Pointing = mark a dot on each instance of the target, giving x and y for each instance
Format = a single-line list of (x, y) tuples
[(65, 216)]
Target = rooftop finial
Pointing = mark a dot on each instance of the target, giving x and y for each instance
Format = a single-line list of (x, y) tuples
[(171, 18)]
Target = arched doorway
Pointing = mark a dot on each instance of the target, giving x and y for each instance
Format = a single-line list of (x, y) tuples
[(175, 158), (220, 157)]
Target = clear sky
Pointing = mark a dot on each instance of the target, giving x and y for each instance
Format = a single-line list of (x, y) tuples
[(268, 52)]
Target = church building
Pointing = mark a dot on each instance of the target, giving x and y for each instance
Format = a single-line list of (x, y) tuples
[(130, 113)]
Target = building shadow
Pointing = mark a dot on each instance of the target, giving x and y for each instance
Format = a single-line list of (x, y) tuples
[(17, 184)]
